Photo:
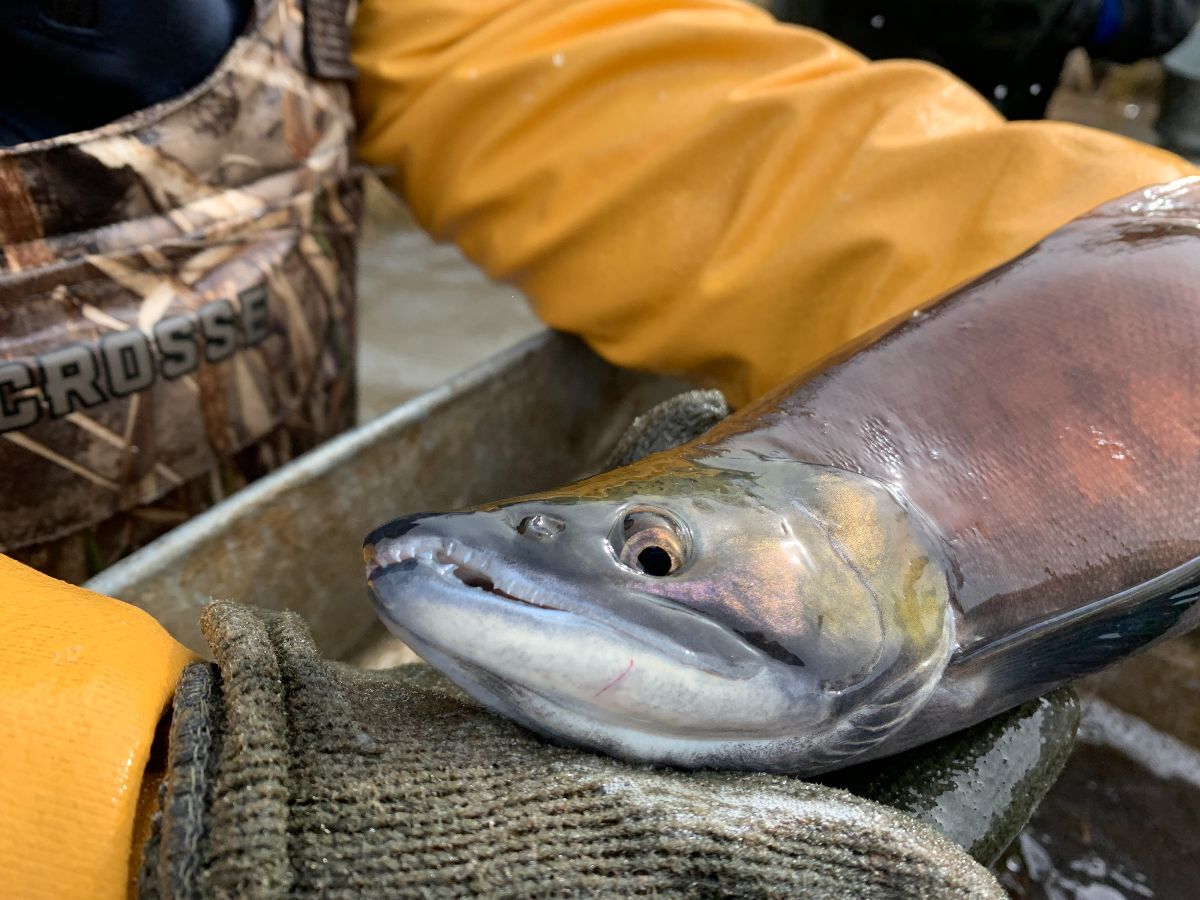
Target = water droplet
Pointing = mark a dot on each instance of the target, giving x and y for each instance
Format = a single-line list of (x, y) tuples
[(1035, 90), (878, 22), (1131, 111), (1000, 91)]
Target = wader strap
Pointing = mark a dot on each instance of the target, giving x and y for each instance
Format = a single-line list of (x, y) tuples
[(327, 38)]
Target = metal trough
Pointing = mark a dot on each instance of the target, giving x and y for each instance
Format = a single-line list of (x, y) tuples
[(542, 413)]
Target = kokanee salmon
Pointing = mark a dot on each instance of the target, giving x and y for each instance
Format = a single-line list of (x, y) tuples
[(990, 498)]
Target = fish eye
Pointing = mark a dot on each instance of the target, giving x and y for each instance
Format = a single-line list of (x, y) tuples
[(650, 542)]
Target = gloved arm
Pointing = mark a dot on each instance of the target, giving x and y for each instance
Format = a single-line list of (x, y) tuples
[(84, 681), (697, 189)]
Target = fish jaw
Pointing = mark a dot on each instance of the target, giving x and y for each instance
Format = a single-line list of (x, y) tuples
[(550, 662)]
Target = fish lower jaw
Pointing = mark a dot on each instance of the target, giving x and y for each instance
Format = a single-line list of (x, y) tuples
[(580, 716), (561, 721), (458, 564)]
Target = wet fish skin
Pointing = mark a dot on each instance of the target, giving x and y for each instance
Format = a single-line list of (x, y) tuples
[(989, 499), (807, 609)]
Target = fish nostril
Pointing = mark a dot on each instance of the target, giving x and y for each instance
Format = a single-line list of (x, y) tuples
[(541, 526)]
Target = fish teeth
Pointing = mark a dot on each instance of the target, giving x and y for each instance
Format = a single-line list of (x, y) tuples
[(447, 557)]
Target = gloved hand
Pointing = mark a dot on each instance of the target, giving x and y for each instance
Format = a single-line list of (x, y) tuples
[(83, 681), (289, 774)]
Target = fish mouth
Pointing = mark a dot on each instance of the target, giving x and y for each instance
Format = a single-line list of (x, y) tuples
[(578, 673), (456, 565), (399, 569), (586, 661)]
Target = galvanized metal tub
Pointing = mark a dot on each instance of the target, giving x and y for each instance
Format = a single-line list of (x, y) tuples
[(542, 413)]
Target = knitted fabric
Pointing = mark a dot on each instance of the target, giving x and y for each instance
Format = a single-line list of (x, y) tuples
[(289, 775), (669, 424)]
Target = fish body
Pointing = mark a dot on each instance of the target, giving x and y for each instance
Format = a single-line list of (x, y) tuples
[(989, 499)]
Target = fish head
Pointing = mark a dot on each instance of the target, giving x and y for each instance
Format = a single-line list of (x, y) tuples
[(713, 610)]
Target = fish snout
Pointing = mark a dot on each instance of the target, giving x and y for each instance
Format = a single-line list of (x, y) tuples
[(466, 541), (381, 545)]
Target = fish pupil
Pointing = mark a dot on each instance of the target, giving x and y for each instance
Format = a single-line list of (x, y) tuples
[(655, 561)]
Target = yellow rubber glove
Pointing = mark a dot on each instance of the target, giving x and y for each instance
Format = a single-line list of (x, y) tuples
[(84, 681), (695, 188)]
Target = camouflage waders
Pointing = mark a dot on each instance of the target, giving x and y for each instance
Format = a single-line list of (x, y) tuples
[(177, 296)]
